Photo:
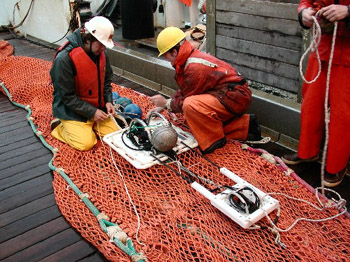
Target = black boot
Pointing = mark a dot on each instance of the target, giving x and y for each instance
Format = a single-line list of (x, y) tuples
[(254, 131), (218, 144)]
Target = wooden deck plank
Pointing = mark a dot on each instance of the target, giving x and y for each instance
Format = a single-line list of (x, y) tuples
[(21, 226), (23, 198), (25, 166), (9, 115), (32, 237), (23, 158), (20, 151), (23, 176), (16, 135), (27, 209), (3, 103), (97, 257), (29, 185), (47, 247), (9, 126), (73, 252), (22, 143)]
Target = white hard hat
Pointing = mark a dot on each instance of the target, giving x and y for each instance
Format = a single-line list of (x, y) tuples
[(102, 29)]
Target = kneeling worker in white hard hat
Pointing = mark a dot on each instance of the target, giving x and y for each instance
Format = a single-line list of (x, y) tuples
[(212, 95), (82, 77)]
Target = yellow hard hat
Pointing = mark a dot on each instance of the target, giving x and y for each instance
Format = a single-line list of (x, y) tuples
[(102, 29), (169, 38)]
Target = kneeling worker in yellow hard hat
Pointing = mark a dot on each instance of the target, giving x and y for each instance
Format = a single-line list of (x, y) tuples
[(82, 77), (212, 95)]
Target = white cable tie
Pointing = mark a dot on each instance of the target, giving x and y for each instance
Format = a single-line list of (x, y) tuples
[(244, 146), (27, 107), (54, 150), (116, 232), (39, 133), (138, 257), (84, 195), (59, 169), (102, 216), (269, 158), (68, 187), (288, 172), (30, 118)]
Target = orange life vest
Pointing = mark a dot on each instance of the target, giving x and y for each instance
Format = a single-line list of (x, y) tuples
[(89, 81)]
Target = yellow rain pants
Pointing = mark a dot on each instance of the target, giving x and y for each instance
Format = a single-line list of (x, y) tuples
[(82, 135)]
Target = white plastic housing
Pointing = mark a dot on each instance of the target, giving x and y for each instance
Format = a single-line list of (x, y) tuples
[(221, 201)]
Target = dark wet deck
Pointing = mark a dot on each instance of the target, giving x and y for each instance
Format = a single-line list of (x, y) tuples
[(31, 226)]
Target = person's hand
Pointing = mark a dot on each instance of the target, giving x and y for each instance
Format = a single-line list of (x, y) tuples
[(100, 116), (307, 17), (156, 109), (159, 101), (110, 108), (334, 12)]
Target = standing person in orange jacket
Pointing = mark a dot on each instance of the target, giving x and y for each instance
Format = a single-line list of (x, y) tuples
[(312, 108), (212, 95), (82, 77)]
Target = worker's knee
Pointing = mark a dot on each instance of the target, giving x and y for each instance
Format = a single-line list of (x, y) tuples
[(83, 144), (189, 104), (83, 141)]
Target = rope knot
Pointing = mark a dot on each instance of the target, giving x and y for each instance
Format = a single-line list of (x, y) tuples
[(268, 157), (83, 195), (341, 204), (278, 241), (288, 172), (116, 232), (54, 150), (102, 216), (59, 169), (244, 146)]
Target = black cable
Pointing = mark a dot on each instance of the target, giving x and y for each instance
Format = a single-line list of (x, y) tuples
[(236, 202), (62, 36), (187, 179), (201, 155), (148, 147), (72, 22), (25, 17)]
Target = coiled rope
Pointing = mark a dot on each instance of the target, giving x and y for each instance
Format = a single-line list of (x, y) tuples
[(114, 232)]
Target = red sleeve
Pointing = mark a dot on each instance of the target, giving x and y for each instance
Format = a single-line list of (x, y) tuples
[(305, 4), (197, 80), (177, 101)]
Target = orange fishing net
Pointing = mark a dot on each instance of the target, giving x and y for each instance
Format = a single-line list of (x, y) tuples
[(176, 222), (5, 49)]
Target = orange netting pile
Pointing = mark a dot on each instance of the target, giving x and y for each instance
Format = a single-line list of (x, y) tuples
[(5, 49), (176, 222)]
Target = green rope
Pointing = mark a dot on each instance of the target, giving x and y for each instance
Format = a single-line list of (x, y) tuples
[(128, 248)]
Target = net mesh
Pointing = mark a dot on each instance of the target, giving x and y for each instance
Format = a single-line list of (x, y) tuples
[(5, 49), (176, 222)]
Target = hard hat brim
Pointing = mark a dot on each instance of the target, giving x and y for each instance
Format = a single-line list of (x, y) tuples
[(108, 44)]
